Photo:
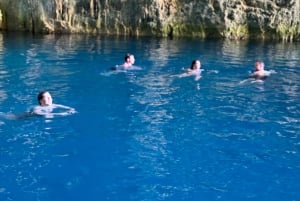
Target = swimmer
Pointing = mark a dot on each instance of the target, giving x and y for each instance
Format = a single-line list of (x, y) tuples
[(194, 69), (259, 72), (128, 64), (129, 61), (46, 106)]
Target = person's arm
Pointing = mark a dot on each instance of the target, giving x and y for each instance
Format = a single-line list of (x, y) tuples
[(69, 110), (260, 75), (188, 70), (48, 112), (252, 74)]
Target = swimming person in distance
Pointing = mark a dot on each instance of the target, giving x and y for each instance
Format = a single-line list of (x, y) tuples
[(47, 108), (194, 69), (128, 63), (259, 72)]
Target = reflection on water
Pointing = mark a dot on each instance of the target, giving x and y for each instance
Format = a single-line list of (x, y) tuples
[(161, 53), (149, 145), (235, 52), (26, 152)]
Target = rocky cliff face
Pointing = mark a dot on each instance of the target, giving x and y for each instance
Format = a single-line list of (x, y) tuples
[(236, 19)]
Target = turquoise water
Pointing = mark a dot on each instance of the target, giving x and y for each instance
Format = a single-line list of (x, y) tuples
[(148, 134)]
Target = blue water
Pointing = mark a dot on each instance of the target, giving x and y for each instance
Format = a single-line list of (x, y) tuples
[(149, 135)]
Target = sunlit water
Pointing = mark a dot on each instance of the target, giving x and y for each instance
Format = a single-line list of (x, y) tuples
[(148, 134)]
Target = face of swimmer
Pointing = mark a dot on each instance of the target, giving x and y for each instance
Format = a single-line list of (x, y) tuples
[(259, 66), (131, 59), (45, 98), (196, 65)]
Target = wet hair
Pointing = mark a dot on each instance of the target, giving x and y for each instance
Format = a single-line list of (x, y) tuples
[(41, 96), (193, 64), (127, 56)]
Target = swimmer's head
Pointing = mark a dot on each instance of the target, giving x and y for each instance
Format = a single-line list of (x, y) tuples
[(129, 58), (259, 65), (44, 98), (195, 65)]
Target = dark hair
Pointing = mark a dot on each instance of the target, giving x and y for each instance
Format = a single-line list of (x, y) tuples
[(193, 63), (40, 96), (127, 56)]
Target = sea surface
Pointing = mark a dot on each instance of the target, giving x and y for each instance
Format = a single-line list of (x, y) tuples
[(149, 134)]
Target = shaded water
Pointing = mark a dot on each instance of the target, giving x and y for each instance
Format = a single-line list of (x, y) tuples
[(149, 135)]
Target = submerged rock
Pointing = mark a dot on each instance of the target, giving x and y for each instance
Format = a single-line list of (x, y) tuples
[(234, 19)]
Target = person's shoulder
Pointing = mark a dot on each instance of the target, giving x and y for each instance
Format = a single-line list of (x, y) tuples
[(119, 67), (260, 75), (267, 73), (36, 108), (127, 67), (132, 67), (196, 71), (40, 110)]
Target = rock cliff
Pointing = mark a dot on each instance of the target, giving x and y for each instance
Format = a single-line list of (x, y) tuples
[(235, 19)]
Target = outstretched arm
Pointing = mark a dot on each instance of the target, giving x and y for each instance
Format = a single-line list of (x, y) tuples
[(69, 110)]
